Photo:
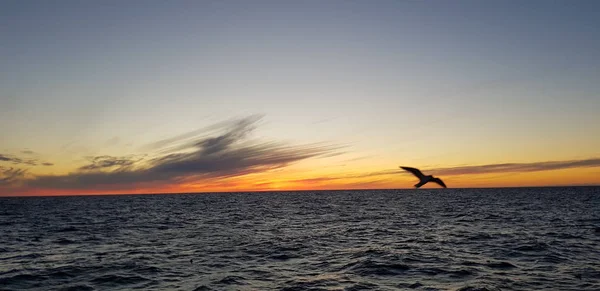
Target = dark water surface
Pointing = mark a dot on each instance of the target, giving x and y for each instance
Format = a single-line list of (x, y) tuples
[(440, 239)]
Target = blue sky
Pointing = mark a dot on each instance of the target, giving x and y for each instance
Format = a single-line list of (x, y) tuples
[(472, 81)]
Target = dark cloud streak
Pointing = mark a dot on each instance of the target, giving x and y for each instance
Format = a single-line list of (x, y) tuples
[(103, 162), (225, 155), (10, 175), (184, 140), (17, 160), (517, 167), (225, 150), (467, 170)]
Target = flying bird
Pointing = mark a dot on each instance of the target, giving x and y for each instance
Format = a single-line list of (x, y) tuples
[(424, 179)]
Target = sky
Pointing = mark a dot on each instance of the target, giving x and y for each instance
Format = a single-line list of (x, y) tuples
[(149, 96)]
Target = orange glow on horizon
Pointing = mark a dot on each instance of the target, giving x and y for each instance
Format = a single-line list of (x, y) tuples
[(290, 180)]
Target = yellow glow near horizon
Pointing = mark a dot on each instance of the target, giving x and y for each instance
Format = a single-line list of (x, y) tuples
[(288, 180)]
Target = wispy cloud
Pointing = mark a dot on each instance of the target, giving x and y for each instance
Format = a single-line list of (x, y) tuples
[(21, 161), (453, 171), (359, 158), (16, 160), (347, 177), (214, 155), (517, 167), (10, 175), (246, 124), (108, 162), (228, 154)]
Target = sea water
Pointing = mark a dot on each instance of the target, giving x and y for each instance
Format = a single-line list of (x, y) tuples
[(425, 239)]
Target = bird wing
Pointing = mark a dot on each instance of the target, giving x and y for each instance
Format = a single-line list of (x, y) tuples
[(414, 171), (439, 181)]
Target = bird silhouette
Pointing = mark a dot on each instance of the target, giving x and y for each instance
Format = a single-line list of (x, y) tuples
[(424, 179)]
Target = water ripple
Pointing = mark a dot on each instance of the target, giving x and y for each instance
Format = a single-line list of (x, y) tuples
[(452, 239)]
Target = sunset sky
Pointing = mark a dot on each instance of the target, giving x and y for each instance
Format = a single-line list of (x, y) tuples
[(194, 96)]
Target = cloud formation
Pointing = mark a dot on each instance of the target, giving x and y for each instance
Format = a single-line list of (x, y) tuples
[(16, 160), (190, 157), (518, 167), (10, 175), (23, 161), (462, 170), (103, 162), (212, 155)]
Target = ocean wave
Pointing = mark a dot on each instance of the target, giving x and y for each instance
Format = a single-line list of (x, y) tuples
[(370, 267), (478, 288), (68, 229), (78, 287), (232, 280), (117, 280), (500, 265), (467, 240), (64, 241)]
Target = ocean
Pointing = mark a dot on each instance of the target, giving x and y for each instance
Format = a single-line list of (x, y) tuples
[(425, 239)]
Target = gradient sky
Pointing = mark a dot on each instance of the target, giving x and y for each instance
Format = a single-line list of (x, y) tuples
[(180, 96)]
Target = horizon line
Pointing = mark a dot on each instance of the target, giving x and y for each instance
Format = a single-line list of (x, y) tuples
[(292, 190)]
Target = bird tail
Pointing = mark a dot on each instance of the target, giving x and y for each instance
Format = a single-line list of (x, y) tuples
[(420, 184)]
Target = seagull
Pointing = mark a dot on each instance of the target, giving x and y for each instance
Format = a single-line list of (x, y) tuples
[(424, 179)]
